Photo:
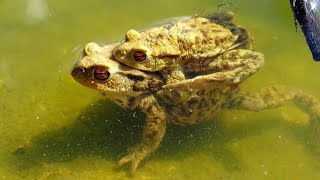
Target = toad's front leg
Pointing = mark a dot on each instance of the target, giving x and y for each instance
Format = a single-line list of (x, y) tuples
[(152, 133)]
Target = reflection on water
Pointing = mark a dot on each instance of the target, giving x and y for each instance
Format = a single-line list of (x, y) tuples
[(37, 10), (52, 127)]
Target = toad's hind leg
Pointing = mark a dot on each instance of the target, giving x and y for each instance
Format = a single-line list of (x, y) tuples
[(275, 96)]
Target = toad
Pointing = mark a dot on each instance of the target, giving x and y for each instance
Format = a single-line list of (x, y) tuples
[(192, 98)]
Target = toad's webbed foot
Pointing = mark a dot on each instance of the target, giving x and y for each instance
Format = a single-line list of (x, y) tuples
[(133, 159)]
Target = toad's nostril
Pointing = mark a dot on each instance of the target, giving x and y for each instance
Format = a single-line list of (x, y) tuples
[(101, 73), (78, 71), (82, 70)]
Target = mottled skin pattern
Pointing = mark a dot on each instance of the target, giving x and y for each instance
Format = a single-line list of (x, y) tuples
[(171, 47), (212, 86)]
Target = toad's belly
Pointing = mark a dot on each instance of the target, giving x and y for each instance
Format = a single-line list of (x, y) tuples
[(195, 110)]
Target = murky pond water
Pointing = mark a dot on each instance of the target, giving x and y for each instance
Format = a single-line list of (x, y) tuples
[(53, 128)]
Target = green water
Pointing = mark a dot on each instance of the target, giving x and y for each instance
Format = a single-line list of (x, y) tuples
[(53, 128)]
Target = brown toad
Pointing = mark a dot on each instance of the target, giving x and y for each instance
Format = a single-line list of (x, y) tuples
[(195, 99), (185, 45)]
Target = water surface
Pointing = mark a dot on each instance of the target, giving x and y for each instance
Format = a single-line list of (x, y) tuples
[(52, 127)]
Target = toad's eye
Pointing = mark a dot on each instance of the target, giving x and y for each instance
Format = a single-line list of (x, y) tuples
[(101, 73), (139, 56)]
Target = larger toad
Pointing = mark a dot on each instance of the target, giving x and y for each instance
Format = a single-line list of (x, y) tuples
[(194, 99)]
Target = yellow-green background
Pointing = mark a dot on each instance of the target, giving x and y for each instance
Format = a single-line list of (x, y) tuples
[(53, 128)]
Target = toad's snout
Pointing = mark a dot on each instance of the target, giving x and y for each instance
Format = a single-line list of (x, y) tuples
[(78, 72)]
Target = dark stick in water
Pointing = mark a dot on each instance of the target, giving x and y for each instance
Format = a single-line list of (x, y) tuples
[(305, 12)]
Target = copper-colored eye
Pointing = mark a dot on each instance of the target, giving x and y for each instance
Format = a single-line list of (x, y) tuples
[(139, 56), (101, 73)]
